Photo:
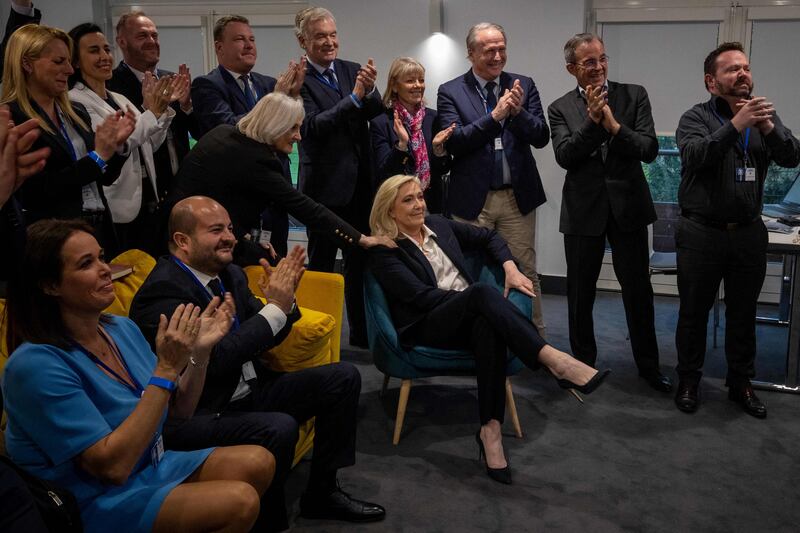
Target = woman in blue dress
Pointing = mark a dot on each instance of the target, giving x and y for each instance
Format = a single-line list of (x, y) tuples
[(86, 397)]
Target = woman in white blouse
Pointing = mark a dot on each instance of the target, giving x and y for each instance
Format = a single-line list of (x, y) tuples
[(133, 197)]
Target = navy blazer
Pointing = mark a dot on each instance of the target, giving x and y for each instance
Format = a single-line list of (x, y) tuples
[(472, 144), (406, 274), (390, 161), (594, 185), (217, 98), (57, 191), (335, 149), (168, 286)]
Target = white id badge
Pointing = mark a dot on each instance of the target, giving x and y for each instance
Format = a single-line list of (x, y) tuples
[(498, 143), (248, 372), (265, 236), (750, 174), (157, 451)]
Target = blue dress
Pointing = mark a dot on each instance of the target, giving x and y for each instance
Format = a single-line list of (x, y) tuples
[(59, 403)]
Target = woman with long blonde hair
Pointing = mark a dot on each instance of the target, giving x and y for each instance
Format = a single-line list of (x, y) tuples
[(37, 69)]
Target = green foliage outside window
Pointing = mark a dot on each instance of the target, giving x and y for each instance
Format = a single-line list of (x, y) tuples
[(664, 175)]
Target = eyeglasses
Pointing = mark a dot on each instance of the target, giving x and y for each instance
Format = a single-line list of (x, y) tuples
[(591, 64)]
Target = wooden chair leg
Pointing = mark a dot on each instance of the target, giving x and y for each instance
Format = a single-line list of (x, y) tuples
[(405, 388), (512, 409), (385, 385)]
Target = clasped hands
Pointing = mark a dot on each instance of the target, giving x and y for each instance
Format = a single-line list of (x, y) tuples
[(754, 112), (157, 94), (291, 80), (598, 109), (365, 79), (279, 284), (510, 103)]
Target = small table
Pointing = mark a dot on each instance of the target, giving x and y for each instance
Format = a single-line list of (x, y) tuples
[(788, 245)]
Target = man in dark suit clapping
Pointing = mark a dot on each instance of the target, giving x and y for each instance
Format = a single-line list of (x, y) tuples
[(602, 132), (335, 165)]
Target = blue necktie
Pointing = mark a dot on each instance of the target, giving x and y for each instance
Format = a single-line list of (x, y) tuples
[(497, 169), (328, 74), (249, 97)]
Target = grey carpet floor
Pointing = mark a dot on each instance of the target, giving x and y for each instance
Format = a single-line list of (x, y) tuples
[(626, 460)]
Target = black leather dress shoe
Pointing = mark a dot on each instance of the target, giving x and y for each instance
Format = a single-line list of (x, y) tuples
[(338, 505), (687, 398), (745, 397), (658, 381)]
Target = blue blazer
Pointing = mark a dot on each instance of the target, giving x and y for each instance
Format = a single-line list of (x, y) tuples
[(406, 274), (217, 98), (390, 161), (335, 149), (472, 144)]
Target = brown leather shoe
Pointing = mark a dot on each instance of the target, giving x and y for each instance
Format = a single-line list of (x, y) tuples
[(687, 397), (744, 396)]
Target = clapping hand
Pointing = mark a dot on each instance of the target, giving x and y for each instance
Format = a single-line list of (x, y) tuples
[(365, 80), (215, 323), (440, 138), (16, 165), (510, 100), (401, 132), (595, 103), (113, 132), (184, 98), (156, 93), (520, 95), (175, 339), (280, 283), (291, 80)]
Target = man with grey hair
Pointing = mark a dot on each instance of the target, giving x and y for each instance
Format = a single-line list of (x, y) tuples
[(340, 98), (602, 132), (494, 182)]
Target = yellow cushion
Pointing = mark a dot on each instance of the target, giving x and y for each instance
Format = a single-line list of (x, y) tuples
[(125, 288), (307, 345)]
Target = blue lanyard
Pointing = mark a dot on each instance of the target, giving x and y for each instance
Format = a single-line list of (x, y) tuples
[(324, 80), (136, 388), (744, 145), (183, 267), (65, 134)]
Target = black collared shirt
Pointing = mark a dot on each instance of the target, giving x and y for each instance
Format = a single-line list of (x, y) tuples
[(711, 151)]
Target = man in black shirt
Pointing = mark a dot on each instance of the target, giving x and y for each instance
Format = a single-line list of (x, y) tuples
[(726, 145)]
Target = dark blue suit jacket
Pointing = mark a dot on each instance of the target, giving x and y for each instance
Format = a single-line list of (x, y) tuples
[(472, 144), (168, 286), (217, 98), (390, 161), (406, 274), (335, 150)]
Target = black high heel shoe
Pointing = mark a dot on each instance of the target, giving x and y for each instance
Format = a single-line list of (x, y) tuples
[(589, 386), (501, 475)]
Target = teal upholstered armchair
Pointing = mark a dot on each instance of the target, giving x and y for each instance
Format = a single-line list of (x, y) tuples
[(424, 361)]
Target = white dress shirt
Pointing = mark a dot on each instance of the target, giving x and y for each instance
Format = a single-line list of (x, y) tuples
[(447, 275)]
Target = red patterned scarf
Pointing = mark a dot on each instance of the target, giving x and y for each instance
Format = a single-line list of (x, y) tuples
[(416, 141)]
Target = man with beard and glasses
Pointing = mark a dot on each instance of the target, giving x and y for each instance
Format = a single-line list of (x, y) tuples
[(243, 401), (726, 146)]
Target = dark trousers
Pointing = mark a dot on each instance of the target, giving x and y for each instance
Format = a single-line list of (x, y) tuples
[(630, 254), (322, 258), (707, 256), (18, 511), (480, 320), (270, 416)]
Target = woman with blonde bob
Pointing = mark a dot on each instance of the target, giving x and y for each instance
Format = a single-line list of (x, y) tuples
[(37, 69), (407, 138), (238, 166), (435, 302)]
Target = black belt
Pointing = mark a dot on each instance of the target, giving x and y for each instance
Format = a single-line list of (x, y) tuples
[(716, 224)]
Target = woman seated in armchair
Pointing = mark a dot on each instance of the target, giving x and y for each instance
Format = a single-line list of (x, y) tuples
[(86, 397), (434, 302)]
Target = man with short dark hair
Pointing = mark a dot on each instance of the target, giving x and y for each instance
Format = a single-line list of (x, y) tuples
[(494, 182), (231, 90), (137, 39), (243, 401), (602, 133), (726, 145)]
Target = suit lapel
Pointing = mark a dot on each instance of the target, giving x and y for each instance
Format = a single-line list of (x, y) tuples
[(580, 105), (232, 86), (418, 258), (472, 91)]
